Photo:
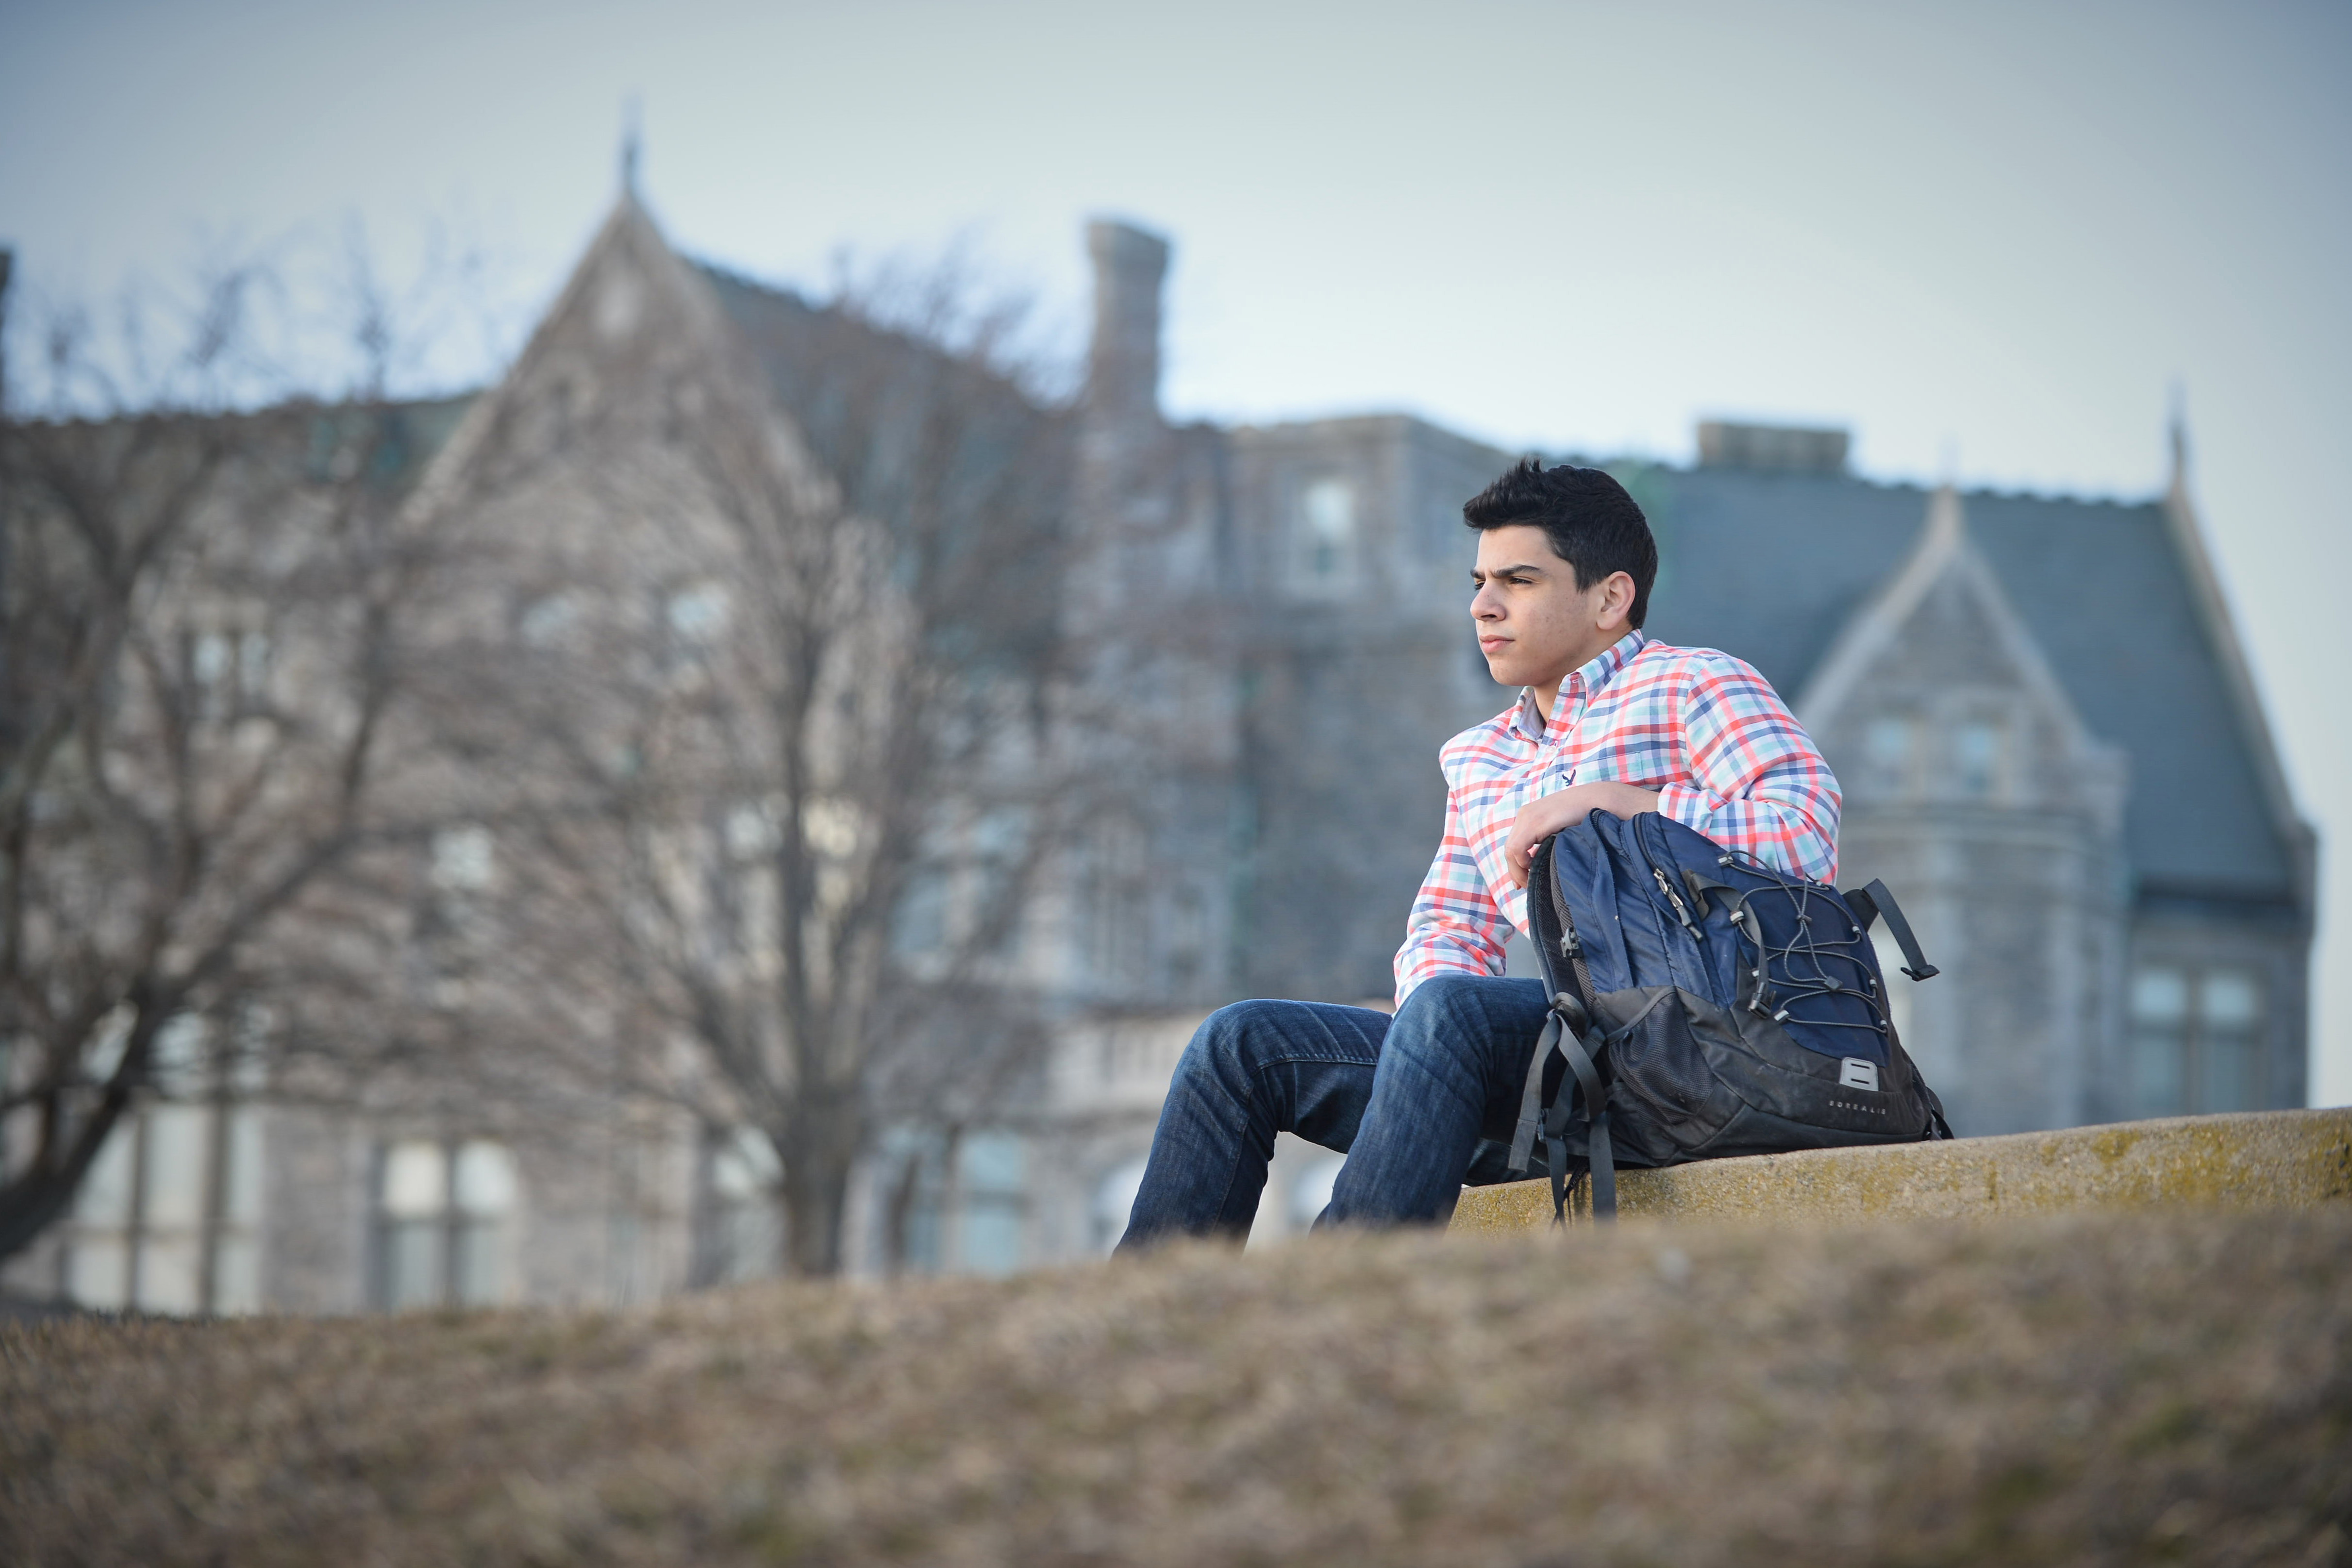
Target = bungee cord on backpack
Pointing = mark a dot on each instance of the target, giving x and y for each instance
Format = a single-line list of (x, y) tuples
[(1799, 966)]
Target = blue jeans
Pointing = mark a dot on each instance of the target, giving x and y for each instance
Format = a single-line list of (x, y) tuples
[(1406, 1099)]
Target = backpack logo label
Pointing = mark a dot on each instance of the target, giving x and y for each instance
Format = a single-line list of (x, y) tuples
[(1855, 1073)]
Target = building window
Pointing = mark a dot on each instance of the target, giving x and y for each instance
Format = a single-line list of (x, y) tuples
[(919, 925), (742, 1229), (168, 1219), (1187, 941), (445, 1216), (2196, 1040), (1888, 754), (696, 617), (954, 1203), (1139, 1054), (994, 1201), (548, 621), (228, 670), (1113, 934), (1311, 1190), (1976, 749), (1328, 533), (465, 860), (1114, 1203)]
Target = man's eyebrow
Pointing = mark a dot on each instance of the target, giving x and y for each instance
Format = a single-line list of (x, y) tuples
[(1520, 569)]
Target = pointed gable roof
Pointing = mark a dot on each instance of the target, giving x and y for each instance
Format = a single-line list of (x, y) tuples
[(1774, 566), (1944, 552), (629, 284)]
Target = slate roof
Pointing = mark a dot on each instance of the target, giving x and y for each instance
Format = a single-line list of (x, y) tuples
[(1770, 566)]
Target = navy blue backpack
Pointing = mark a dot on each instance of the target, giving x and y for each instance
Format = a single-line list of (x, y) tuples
[(1706, 1005)]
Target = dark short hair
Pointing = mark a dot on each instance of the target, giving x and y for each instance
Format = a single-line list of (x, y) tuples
[(1592, 523)]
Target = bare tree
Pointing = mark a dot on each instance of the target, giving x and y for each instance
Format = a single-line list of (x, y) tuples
[(200, 624), (771, 799)]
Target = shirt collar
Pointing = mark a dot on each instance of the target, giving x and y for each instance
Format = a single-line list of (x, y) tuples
[(1578, 688)]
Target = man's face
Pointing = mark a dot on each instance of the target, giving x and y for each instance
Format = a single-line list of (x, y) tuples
[(1534, 625)]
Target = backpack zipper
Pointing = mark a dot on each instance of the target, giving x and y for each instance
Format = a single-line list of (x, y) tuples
[(1673, 900), (1571, 946), (1682, 910)]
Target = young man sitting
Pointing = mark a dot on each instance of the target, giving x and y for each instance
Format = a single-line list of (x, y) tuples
[(1606, 720)]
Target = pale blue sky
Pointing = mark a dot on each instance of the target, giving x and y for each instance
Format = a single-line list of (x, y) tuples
[(1988, 237)]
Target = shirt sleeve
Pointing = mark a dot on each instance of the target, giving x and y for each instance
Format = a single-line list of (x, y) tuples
[(1757, 783), (1455, 926)]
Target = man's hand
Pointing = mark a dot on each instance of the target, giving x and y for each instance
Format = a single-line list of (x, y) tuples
[(1540, 819)]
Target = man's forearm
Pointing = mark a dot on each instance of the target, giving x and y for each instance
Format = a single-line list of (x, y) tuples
[(1540, 819)]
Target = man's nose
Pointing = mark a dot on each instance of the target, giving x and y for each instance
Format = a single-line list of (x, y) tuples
[(1485, 605)]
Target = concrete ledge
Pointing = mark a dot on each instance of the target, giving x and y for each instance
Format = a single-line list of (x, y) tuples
[(2264, 1159)]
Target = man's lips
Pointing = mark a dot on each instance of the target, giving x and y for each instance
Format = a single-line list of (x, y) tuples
[(1493, 645)]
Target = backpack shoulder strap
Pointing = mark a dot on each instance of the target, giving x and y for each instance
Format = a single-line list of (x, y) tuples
[(1868, 904)]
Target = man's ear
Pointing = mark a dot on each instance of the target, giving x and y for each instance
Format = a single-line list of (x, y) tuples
[(1617, 593)]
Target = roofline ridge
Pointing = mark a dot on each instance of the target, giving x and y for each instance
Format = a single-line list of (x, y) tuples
[(743, 280), (2186, 534), (1880, 619)]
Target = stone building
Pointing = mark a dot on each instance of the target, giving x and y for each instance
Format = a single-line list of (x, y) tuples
[(2048, 743)]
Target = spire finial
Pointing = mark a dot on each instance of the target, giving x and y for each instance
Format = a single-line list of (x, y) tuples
[(632, 140), (2178, 431)]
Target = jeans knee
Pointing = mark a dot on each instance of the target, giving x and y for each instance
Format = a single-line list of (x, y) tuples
[(1442, 999), (1220, 1047)]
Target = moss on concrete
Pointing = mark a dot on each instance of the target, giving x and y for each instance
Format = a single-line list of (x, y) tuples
[(2151, 1387), (2270, 1159)]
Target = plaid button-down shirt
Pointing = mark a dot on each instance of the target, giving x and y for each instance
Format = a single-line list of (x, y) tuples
[(1701, 728)]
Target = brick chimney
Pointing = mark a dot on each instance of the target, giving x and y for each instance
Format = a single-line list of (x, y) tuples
[(1123, 364), (1771, 449)]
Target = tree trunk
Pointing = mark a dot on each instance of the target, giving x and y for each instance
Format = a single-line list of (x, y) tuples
[(40, 1194), (818, 1153)]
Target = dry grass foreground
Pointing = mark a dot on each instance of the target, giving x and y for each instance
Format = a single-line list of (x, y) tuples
[(2096, 1389)]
